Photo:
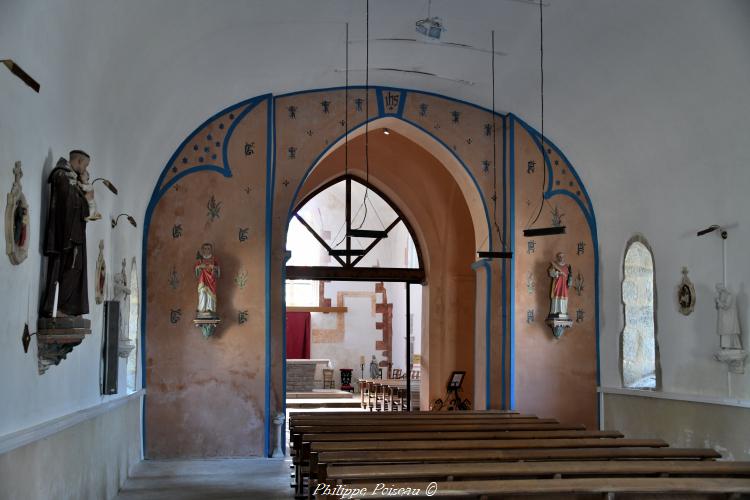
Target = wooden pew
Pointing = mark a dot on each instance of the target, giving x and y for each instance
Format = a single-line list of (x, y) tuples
[(431, 426), (449, 434), (352, 474), (486, 444), (425, 422), (319, 462), (650, 487)]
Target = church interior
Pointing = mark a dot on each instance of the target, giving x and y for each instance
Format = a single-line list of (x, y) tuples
[(375, 248)]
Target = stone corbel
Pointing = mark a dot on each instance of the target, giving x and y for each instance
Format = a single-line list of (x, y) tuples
[(734, 358), (56, 338), (558, 325), (207, 326)]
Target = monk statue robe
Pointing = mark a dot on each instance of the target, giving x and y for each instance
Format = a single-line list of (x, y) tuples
[(207, 271), (65, 240), (562, 277)]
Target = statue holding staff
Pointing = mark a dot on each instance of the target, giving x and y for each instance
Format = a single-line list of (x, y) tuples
[(562, 277), (207, 271)]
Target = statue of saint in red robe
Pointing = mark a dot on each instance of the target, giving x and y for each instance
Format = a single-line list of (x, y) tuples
[(562, 277), (207, 271)]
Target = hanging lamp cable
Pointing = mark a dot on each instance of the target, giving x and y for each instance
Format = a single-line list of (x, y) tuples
[(494, 151), (346, 107), (541, 98), (367, 111)]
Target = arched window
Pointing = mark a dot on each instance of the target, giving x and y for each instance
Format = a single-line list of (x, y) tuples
[(639, 349), (133, 321)]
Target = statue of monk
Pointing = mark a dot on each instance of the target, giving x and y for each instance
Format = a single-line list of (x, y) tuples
[(65, 239), (207, 271)]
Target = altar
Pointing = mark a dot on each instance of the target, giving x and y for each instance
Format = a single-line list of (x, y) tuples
[(300, 374)]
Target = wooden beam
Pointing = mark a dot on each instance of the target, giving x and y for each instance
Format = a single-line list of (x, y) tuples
[(355, 274), (317, 309), (376, 241), (318, 237)]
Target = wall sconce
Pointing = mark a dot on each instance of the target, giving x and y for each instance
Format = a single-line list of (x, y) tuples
[(109, 185), (129, 217), (16, 70)]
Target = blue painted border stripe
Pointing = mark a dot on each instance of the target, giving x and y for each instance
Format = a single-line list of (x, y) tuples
[(503, 276), (156, 195), (401, 104), (512, 176), (589, 215), (270, 183), (487, 329), (379, 98)]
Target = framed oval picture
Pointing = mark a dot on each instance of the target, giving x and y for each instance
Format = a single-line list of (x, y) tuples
[(686, 294), (17, 220)]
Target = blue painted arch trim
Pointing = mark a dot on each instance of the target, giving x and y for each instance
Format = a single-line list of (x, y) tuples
[(508, 175), (488, 331), (587, 209), (158, 192)]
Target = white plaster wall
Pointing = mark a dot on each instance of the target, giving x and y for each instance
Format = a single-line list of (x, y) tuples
[(56, 44), (647, 99), (88, 461), (681, 423)]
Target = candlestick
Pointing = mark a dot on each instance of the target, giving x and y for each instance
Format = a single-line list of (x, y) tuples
[(54, 304)]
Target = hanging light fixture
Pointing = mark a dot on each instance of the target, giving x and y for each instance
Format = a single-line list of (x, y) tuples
[(358, 232), (489, 254), (542, 231)]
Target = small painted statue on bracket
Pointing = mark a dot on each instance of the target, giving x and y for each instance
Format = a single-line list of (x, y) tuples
[(207, 271), (562, 278)]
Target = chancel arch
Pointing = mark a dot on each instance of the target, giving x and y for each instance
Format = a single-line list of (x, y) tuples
[(236, 181)]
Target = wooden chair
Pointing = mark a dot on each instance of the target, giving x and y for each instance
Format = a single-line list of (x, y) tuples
[(397, 373)]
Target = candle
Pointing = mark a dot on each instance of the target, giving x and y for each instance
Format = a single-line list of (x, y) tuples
[(361, 360), (54, 304)]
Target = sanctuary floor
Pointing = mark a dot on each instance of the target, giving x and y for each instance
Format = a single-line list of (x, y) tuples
[(231, 479)]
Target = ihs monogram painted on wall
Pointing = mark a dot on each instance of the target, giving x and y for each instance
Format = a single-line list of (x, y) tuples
[(391, 101)]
